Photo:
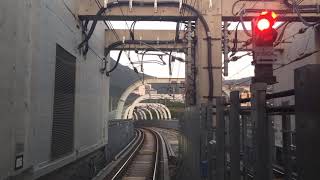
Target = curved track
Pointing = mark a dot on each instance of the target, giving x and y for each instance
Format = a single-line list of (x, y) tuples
[(142, 164)]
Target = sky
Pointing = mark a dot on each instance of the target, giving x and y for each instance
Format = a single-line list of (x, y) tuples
[(237, 70)]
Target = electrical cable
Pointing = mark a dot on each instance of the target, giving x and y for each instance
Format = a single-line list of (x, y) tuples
[(162, 61), (127, 54), (203, 21), (301, 31), (295, 60), (234, 5), (301, 57), (235, 41), (315, 7), (170, 64), (248, 80), (110, 26), (235, 58), (297, 10), (118, 38), (150, 62), (244, 68), (116, 65), (280, 37), (243, 25)]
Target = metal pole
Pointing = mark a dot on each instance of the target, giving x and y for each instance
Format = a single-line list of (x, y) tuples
[(286, 139), (263, 143), (220, 136), (235, 135), (188, 72), (225, 49), (244, 146)]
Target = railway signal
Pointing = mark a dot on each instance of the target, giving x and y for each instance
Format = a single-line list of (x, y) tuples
[(263, 32), (263, 36)]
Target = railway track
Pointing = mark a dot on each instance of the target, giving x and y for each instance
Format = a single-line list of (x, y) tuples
[(143, 162)]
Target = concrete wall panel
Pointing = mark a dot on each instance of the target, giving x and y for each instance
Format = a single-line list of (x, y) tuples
[(29, 32), (167, 124)]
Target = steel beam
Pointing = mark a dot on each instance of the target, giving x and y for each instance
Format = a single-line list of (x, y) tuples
[(155, 35), (231, 8), (155, 45), (291, 18), (139, 8), (136, 18)]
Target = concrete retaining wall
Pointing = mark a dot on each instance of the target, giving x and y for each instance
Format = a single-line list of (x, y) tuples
[(167, 124), (121, 132)]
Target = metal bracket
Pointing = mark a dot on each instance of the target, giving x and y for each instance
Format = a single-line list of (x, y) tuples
[(155, 6), (130, 5)]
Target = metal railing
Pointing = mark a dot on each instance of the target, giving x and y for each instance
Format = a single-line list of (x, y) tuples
[(236, 139)]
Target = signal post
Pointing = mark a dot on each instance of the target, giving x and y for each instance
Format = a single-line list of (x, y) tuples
[(263, 36)]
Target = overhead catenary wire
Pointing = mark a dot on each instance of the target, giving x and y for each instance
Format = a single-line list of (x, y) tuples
[(128, 54), (110, 26), (242, 12), (301, 57), (241, 70), (116, 65), (300, 31), (202, 20), (297, 10)]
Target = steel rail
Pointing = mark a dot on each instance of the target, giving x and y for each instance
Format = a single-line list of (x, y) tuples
[(125, 164), (156, 162), (137, 136), (165, 167)]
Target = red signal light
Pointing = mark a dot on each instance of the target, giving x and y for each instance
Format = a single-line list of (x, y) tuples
[(264, 34), (263, 24), (266, 20)]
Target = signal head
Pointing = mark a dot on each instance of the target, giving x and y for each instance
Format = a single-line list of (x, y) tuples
[(263, 24), (264, 34), (266, 20)]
